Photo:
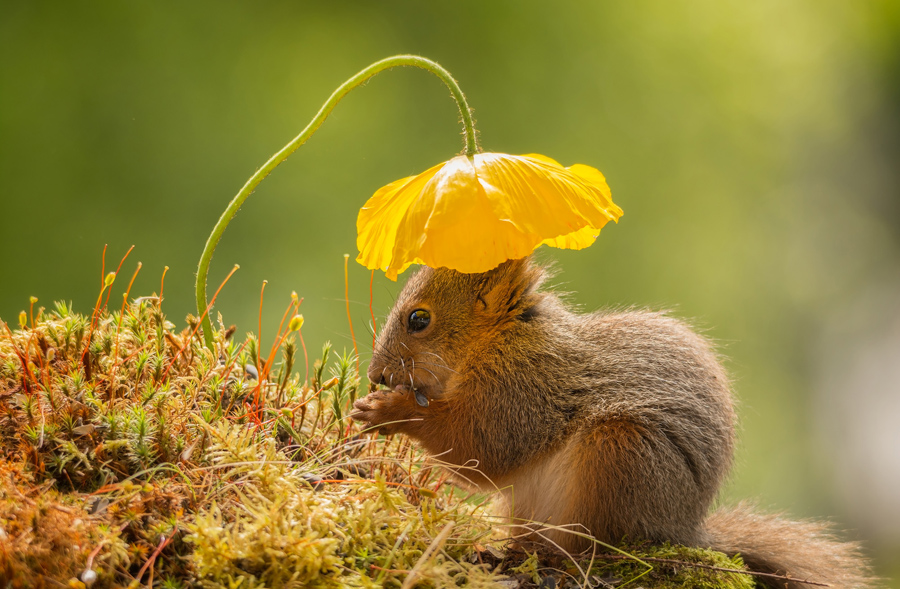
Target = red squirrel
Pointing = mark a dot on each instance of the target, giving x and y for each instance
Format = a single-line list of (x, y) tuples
[(613, 424)]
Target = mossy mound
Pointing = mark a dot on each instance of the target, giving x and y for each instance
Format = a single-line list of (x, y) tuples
[(131, 455)]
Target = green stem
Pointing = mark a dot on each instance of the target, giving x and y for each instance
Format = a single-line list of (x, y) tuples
[(346, 87)]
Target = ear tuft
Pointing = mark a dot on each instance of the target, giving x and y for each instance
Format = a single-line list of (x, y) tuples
[(509, 290)]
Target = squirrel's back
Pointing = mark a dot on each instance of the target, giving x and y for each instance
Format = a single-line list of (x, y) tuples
[(654, 369), (651, 435)]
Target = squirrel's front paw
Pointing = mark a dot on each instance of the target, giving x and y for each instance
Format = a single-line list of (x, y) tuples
[(388, 411)]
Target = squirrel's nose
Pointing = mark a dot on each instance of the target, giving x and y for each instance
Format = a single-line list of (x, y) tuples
[(375, 375)]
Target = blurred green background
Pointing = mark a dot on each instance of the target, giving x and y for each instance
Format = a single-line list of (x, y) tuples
[(754, 147)]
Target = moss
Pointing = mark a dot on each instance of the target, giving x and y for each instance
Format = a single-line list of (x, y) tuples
[(672, 576), (131, 454)]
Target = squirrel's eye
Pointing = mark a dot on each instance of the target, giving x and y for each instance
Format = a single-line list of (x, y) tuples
[(419, 320)]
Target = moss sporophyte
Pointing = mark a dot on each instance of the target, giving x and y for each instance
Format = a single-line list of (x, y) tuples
[(470, 213)]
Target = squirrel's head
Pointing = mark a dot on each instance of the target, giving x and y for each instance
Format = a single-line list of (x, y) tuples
[(442, 317)]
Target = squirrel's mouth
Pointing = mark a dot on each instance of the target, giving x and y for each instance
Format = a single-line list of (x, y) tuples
[(396, 382), (419, 392)]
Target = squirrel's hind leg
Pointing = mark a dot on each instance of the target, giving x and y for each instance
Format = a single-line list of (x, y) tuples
[(616, 480)]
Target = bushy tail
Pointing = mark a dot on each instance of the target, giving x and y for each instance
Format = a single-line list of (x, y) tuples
[(798, 549)]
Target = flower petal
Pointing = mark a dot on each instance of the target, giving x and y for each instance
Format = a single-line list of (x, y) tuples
[(380, 218), (544, 199), (574, 241), (473, 213), (594, 177), (543, 158), (462, 231)]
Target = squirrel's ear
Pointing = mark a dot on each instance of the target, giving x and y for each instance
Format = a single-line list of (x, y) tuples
[(508, 290)]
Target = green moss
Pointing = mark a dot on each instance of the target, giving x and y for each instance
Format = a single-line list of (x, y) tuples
[(128, 449), (672, 576)]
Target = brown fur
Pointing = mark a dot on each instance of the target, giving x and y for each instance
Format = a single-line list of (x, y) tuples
[(617, 424)]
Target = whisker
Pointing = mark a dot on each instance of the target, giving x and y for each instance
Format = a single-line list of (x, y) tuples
[(387, 351), (442, 365), (433, 374), (438, 366)]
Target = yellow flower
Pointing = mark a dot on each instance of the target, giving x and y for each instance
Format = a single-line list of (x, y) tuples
[(473, 213)]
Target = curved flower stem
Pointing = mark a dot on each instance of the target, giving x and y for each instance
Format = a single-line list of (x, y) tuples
[(346, 87)]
